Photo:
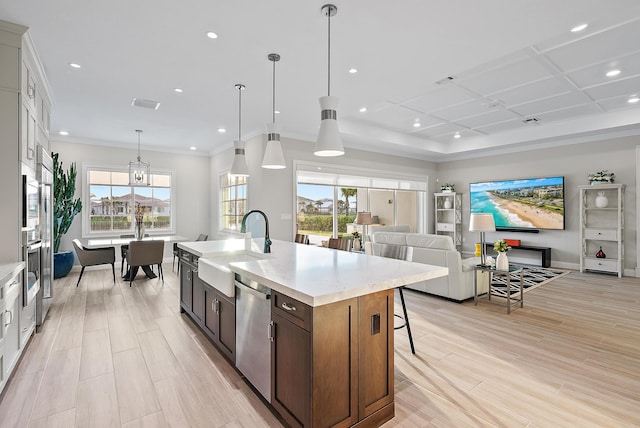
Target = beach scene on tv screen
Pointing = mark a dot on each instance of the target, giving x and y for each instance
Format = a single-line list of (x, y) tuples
[(530, 203)]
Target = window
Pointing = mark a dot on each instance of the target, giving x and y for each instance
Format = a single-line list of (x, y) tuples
[(109, 203), (328, 200), (233, 191)]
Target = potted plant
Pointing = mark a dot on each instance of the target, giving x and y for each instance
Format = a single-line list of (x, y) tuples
[(447, 188), (501, 247), (601, 177), (65, 208)]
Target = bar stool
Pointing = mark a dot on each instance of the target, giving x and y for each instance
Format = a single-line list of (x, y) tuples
[(399, 252)]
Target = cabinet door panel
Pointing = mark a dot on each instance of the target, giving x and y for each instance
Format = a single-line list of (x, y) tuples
[(186, 285), (11, 326), (211, 321), (227, 326), (198, 296), (376, 390), (291, 371)]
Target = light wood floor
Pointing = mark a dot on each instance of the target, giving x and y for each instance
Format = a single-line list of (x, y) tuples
[(119, 356)]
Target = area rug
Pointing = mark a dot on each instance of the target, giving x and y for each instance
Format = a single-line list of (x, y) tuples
[(532, 277)]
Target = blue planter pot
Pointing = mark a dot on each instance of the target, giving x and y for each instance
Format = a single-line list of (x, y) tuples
[(62, 264)]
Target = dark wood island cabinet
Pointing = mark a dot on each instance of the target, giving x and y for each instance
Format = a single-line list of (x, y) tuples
[(332, 365), (330, 325)]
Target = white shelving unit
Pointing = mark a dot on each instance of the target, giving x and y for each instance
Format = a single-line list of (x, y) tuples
[(602, 227), (448, 216)]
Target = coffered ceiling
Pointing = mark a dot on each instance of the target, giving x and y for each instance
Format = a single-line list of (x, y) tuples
[(439, 79)]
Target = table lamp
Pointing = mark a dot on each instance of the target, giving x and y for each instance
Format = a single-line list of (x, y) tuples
[(364, 218), (482, 222)]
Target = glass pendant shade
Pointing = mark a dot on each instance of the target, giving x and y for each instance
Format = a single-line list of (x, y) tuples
[(329, 141), (273, 156), (139, 171), (239, 166)]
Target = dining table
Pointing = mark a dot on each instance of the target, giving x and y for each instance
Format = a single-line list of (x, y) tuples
[(131, 273)]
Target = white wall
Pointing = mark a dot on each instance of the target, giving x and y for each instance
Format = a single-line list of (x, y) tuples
[(273, 192), (191, 183), (574, 162)]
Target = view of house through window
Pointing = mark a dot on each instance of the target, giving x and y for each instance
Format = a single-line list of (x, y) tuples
[(112, 202), (233, 197)]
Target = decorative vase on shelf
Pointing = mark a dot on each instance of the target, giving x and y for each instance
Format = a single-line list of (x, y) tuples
[(601, 200), (138, 231), (447, 204), (600, 254), (502, 261)]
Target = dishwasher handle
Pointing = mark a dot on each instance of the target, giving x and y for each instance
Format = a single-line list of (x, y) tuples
[(266, 295)]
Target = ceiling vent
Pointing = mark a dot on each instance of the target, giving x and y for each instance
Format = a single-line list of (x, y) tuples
[(139, 102), (445, 80), (531, 120)]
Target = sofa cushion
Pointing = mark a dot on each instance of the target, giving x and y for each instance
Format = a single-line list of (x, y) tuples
[(395, 238), (435, 242)]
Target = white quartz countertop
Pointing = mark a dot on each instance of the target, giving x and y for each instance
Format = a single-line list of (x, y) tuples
[(315, 275), (9, 270)]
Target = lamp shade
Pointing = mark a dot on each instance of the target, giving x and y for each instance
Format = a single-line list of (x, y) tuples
[(273, 156), (481, 222), (239, 166), (363, 217), (329, 141)]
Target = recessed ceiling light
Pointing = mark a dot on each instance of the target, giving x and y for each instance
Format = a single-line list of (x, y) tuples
[(212, 35), (579, 28), (222, 130), (363, 109), (416, 125), (457, 135), (353, 70), (192, 148), (74, 65), (633, 100), (178, 90), (63, 133), (276, 111), (612, 73)]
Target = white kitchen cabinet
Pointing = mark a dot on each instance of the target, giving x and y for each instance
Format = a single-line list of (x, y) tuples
[(12, 292), (448, 216), (602, 228)]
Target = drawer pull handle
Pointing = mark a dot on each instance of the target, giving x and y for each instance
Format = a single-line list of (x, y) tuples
[(10, 317), (286, 307)]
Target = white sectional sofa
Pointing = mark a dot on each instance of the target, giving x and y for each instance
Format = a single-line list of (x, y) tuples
[(436, 250)]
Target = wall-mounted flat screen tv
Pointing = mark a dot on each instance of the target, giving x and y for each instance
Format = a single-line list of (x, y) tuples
[(524, 204)]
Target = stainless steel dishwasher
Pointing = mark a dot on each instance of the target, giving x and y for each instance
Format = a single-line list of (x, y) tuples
[(253, 343)]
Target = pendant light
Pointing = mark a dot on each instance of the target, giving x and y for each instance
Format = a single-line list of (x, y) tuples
[(139, 171), (239, 166), (273, 157), (329, 141)]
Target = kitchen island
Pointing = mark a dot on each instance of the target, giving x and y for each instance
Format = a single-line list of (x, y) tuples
[(330, 329)]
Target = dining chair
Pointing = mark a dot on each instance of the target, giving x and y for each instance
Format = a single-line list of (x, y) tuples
[(340, 244), (94, 257), (301, 238), (123, 251), (145, 253), (201, 237)]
